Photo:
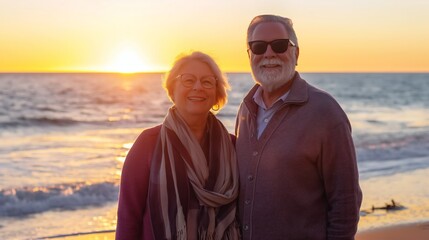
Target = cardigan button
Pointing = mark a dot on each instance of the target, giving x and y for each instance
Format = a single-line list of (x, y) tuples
[(250, 177), (255, 153), (246, 227)]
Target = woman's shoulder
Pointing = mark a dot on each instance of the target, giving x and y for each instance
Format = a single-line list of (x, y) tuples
[(148, 136), (144, 145), (152, 131)]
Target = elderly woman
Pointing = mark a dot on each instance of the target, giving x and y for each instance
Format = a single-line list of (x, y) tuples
[(180, 178)]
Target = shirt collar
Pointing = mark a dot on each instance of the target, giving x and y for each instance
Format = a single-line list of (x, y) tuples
[(257, 97)]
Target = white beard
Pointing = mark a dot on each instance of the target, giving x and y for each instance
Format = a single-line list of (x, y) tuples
[(272, 79)]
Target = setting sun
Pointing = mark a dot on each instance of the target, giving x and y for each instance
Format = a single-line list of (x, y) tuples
[(127, 61), (146, 36)]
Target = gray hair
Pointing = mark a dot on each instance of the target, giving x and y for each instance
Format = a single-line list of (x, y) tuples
[(286, 22)]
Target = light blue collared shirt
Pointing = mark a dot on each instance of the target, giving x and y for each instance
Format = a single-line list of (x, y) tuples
[(264, 115)]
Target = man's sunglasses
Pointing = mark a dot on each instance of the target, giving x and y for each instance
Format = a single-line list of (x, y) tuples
[(278, 46)]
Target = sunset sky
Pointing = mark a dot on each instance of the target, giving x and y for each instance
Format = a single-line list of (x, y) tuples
[(147, 35)]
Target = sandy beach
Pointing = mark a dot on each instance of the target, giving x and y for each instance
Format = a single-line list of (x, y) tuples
[(407, 189), (409, 222), (416, 231), (105, 235)]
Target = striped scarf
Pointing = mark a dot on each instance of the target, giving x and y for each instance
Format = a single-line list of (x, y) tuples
[(190, 196)]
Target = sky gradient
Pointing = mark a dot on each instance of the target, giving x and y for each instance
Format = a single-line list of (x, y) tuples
[(147, 35)]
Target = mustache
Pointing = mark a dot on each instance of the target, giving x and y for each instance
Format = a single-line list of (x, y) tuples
[(270, 62)]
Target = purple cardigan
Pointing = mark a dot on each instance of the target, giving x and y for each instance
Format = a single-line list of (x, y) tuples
[(299, 180), (133, 214)]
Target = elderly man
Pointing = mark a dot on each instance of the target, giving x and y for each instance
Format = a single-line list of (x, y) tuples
[(297, 162)]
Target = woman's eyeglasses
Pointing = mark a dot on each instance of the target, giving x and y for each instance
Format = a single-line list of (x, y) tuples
[(188, 80), (278, 46)]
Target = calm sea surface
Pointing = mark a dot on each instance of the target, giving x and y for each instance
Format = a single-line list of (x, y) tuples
[(64, 137)]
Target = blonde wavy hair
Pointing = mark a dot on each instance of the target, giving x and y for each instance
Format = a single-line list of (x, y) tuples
[(222, 82)]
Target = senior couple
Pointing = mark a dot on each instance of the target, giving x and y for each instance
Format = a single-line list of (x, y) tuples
[(289, 172)]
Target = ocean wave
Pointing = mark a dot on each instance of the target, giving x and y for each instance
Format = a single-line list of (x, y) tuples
[(390, 167), (379, 147), (45, 121), (385, 154), (31, 200), (51, 121)]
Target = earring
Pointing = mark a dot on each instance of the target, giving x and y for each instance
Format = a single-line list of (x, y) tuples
[(216, 107)]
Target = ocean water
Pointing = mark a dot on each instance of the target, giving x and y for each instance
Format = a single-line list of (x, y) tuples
[(64, 137)]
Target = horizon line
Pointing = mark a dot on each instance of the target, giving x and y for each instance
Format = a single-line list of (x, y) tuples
[(163, 72)]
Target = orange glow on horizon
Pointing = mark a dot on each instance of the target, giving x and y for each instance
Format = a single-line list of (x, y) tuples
[(146, 36)]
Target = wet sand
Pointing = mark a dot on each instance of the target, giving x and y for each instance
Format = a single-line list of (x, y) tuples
[(416, 231), (409, 222)]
